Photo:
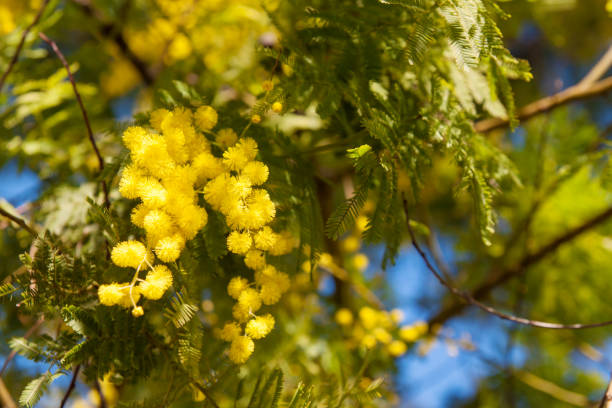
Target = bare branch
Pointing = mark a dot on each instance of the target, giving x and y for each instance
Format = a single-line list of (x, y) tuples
[(5, 396), (573, 93), (71, 386), (90, 134), (491, 310), (18, 221), (500, 278), (599, 69), (606, 400), (21, 42)]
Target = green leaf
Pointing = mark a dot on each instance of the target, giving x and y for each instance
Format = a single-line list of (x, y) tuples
[(32, 393)]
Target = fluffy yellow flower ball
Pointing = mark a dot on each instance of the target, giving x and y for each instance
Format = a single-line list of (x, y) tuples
[(257, 172), (255, 259), (344, 317), (260, 326), (265, 239), (236, 286), (239, 242), (157, 282), (397, 348), (241, 349), (226, 137), (111, 294), (206, 117), (249, 299), (230, 331), (277, 107), (130, 254), (168, 249)]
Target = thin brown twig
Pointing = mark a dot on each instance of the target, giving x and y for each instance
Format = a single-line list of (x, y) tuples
[(529, 259), (5, 396), (21, 42), (90, 134), (599, 69), (30, 332), (70, 386), (18, 221), (606, 400), (573, 93), (102, 403), (491, 310)]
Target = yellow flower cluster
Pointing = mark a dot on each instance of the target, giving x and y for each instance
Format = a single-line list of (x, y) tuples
[(248, 211), (169, 162), (379, 326)]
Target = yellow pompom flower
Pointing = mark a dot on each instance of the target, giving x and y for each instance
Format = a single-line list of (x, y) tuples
[(206, 118), (157, 282), (191, 220), (138, 214), (284, 244), (236, 286), (125, 300), (206, 166), (129, 184), (382, 335), (230, 331), (157, 117), (226, 137), (256, 119), (134, 136), (260, 326), (250, 300), (168, 249), (110, 295), (344, 317), (157, 224), (152, 193), (368, 341), (248, 147), (265, 239), (368, 317), (137, 311), (257, 172), (397, 348), (255, 259), (397, 315), (241, 349), (239, 242), (129, 254), (215, 191), (360, 261), (234, 158), (152, 154), (270, 293), (241, 312), (351, 244), (277, 107)]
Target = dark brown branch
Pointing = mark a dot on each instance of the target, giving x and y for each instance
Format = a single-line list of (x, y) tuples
[(102, 403), (71, 386), (606, 400), (90, 134), (573, 93), (498, 279), (11, 356), (491, 310), (21, 42), (18, 221)]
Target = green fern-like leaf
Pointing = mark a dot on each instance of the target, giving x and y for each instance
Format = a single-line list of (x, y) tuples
[(32, 393)]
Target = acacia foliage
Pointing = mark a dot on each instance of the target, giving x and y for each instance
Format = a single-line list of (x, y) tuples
[(377, 95)]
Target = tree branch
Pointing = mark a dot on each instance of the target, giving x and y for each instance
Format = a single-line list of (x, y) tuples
[(606, 400), (71, 386), (5, 396), (568, 95), (590, 86), (90, 134), (491, 310), (21, 42), (529, 259), (18, 221)]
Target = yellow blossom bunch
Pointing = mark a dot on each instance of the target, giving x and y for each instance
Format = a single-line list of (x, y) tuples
[(169, 162), (236, 192), (372, 327)]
